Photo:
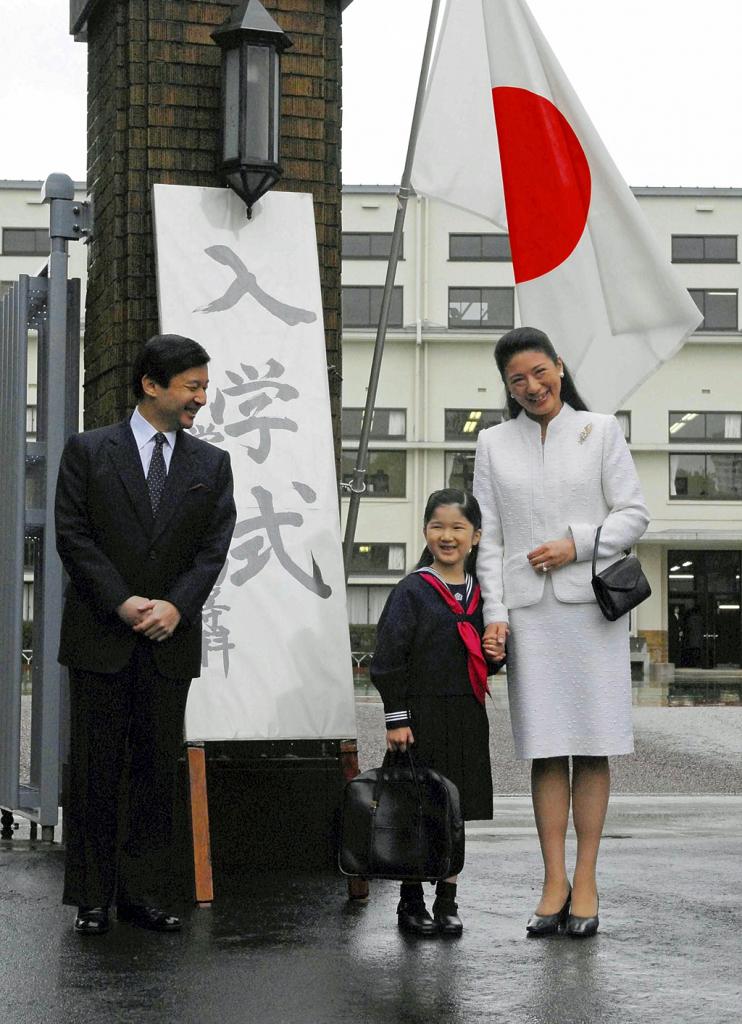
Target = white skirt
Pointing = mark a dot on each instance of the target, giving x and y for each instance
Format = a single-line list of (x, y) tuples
[(569, 680)]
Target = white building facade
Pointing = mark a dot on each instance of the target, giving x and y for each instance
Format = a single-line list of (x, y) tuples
[(439, 385)]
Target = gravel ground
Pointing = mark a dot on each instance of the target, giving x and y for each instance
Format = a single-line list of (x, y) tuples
[(679, 750)]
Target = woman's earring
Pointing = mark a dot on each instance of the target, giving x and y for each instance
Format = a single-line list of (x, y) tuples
[(562, 373)]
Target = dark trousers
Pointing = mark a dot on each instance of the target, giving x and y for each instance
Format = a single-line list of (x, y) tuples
[(126, 735)]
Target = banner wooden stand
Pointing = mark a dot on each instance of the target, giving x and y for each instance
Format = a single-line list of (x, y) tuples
[(199, 804)]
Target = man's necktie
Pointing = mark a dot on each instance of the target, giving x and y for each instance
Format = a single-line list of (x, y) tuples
[(157, 473)]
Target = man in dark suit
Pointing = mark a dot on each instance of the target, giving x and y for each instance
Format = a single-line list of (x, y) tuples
[(144, 516)]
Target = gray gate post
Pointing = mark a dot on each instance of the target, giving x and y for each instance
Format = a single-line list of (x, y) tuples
[(68, 219)]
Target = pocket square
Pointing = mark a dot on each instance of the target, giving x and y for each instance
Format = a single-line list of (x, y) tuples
[(198, 487)]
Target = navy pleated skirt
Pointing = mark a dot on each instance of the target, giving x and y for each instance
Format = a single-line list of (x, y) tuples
[(452, 737)]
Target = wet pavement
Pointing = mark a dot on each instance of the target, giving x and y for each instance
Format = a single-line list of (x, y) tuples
[(289, 949)]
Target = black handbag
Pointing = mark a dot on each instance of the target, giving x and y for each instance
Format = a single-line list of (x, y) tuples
[(401, 821), (620, 587)]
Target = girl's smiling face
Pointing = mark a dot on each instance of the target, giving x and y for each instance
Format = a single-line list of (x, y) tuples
[(450, 537)]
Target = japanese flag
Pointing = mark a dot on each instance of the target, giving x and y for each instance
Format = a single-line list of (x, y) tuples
[(504, 135)]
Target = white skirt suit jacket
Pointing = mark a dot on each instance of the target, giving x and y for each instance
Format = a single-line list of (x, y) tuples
[(569, 676), (581, 478)]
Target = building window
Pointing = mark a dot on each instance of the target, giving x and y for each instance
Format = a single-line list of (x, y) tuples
[(365, 604), (385, 423), (386, 476), (478, 248), (30, 422), (378, 560), (368, 245), (480, 307), (705, 426), (362, 305), (719, 308), (28, 601), (31, 552), (460, 470), (704, 476), (26, 242), (624, 421), (704, 248), (465, 424)]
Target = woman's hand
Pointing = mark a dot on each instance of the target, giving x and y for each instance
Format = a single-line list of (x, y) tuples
[(493, 641), (552, 555), (399, 739)]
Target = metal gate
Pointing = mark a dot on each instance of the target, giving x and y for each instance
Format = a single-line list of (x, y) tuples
[(45, 310)]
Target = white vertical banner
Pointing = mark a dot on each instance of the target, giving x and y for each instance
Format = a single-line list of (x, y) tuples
[(276, 650)]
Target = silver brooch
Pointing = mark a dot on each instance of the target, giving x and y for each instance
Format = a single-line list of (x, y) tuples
[(585, 433)]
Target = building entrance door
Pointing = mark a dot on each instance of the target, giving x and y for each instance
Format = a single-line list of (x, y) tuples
[(704, 616)]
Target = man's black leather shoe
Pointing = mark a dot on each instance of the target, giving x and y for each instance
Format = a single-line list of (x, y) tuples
[(91, 921), (413, 917), (148, 917)]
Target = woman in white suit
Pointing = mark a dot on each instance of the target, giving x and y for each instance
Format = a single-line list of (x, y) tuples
[(546, 479)]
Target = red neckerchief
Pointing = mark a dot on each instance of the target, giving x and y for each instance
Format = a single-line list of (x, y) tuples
[(472, 641)]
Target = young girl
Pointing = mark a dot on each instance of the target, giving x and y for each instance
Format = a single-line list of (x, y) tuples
[(430, 671)]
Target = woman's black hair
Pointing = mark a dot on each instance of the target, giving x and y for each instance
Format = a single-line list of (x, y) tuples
[(470, 509), (530, 339)]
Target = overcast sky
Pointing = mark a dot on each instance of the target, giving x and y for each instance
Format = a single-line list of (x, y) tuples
[(661, 80)]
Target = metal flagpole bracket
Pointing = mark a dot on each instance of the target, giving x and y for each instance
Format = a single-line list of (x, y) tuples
[(69, 218)]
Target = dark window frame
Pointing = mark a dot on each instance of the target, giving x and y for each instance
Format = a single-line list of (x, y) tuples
[(371, 288), (698, 497), (465, 325), (482, 258), (356, 570), (468, 454), (676, 439), (375, 434), (36, 250), (370, 235), (704, 258), (702, 328), (449, 435), (627, 414), (369, 492)]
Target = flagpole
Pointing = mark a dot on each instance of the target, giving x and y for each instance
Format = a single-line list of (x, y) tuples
[(357, 486)]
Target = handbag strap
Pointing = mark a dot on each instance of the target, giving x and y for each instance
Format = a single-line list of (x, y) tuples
[(386, 764), (595, 548)]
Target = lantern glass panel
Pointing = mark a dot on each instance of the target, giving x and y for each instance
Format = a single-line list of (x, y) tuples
[(276, 104), (257, 104), (232, 105)]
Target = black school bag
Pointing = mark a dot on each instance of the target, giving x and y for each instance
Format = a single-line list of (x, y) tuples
[(401, 821)]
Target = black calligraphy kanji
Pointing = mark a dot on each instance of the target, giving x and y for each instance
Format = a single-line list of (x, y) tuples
[(246, 283), (215, 636), (261, 392), (256, 555)]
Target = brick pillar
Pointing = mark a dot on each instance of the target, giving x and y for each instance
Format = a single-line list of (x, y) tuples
[(153, 117)]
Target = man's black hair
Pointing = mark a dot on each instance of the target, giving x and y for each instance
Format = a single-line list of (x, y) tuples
[(164, 357)]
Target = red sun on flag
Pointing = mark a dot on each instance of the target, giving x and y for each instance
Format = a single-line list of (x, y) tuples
[(546, 179)]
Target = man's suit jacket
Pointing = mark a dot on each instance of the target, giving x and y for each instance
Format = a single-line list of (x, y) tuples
[(112, 547)]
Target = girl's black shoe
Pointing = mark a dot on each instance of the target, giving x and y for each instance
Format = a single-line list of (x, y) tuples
[(412, 915), (446, 918), (540, 925), (445, 909)]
